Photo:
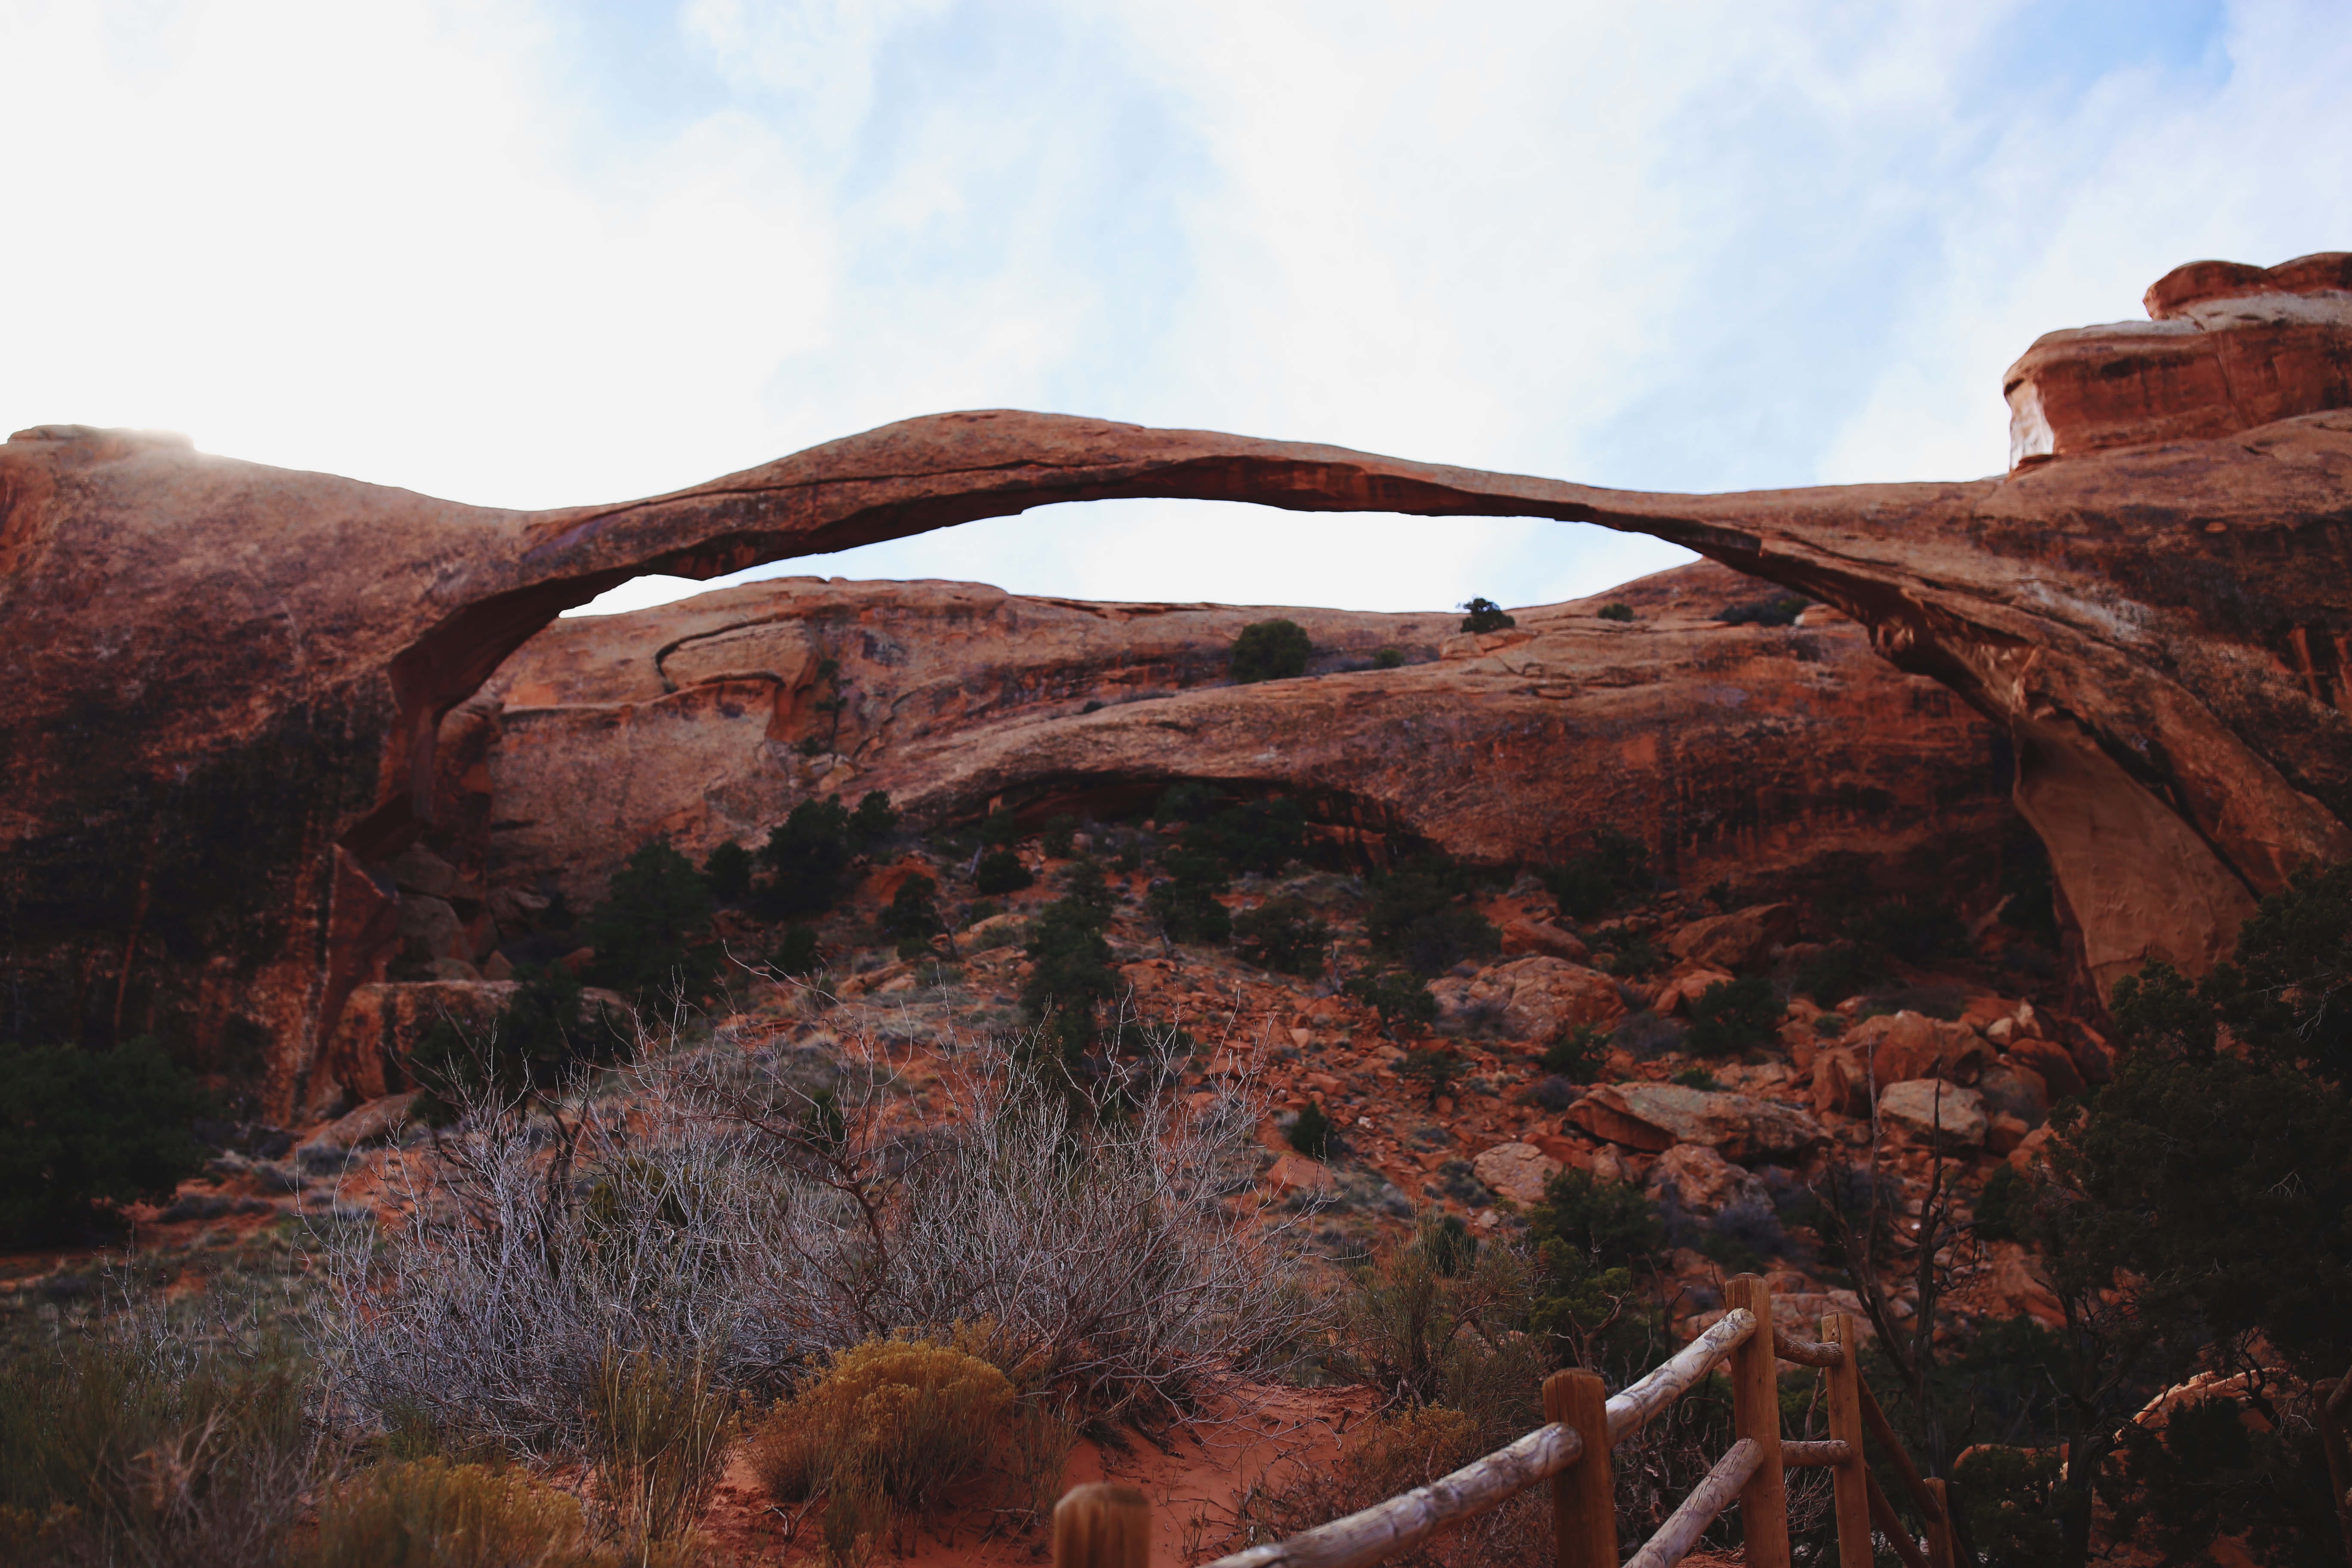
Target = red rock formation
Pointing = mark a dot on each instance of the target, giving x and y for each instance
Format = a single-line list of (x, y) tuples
[(1752, 754), (2226, 347), (229, 679)]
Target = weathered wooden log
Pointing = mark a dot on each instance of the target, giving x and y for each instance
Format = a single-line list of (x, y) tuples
[(1883, 1430), (1808, 1455), (1881, 1513), (1632, 1409), (1804, 1352), (1401, 1524), (1583, 1494), (1680, 1534)]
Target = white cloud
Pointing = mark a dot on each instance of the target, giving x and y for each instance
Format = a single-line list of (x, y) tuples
[(529, 254)]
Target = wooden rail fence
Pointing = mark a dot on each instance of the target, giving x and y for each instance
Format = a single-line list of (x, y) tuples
[(1107, 1526)]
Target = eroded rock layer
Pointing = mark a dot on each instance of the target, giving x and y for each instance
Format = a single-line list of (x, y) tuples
[(228, 679), (1745, 752)]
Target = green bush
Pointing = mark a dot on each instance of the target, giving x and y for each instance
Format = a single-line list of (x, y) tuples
[(1913, 932), (1283, 935), (1421, 917), (1001, 872), (1397, 998), (543, 1037), (2009, 1496), (804, 858), (1589, 883), (1260, 835), (1771, 610), (430, 1513), (1435, 1068), (658, 1435), (1611, 1223), (1061, 834), (1834, 973), (1631, 955), (913, 916), (1486, 616), (796, 952), (1615, 612), (81, 1129), (1000, 830), (1072, 975), (1697, 1078), (1579, 1054), (1186, 904), (1389, 658), (1271, 650), (728, 872), (873, 824), (1993, 1219), (1188, 800), (647, 932), (1311, 1133), (1732, 1016)]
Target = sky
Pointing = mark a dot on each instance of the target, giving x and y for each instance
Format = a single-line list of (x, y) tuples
[(528, 253)]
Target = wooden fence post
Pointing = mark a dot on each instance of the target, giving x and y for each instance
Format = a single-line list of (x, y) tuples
[(1756, 1414), (1851, 1477), (1102, 1525), (1584, 1495), (1939, 1530)]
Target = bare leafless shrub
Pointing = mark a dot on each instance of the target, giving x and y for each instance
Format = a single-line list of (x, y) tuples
[(748, 1213), (153, 1439)]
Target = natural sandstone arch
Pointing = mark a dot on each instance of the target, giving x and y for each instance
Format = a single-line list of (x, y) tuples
[(230, 677)]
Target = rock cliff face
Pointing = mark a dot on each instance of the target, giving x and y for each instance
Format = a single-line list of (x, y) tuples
[(230, 679), (1749, 753)]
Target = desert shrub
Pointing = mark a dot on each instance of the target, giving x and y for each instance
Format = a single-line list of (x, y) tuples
[(796, 952), (1697, 1078), (658, 1433), (1420, 916), (1001, 872), (430, 1513), (1732, 1016), (1060, 840), (873, 824), (1072, 973), (1284, 935), (2008, 1495), (1615, 612), (727, 871), (1000, 829), (1554, 1094), (1436, 1069), (1771, 610), (1486, 616), (1913, 932), (913, 916), (1630, 954), (1993, 1220), (1389, 658), (1588, 883), (1185, 904), (905, 1422), (647, 932), (1187, 800), (542, 1038), (1647, 1036), (1397, 998), (1271, 650), (1579, 1054), (1611, 1223), (1311, 1133), (1834, 973), (1744, 1234), (152, 1440), (86, 1129), (1260, 835), (804, 858)]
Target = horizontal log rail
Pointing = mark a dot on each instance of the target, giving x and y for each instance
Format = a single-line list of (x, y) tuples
[(1571, 1452)]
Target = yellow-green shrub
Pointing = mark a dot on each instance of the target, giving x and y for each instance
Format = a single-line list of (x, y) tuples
[(887, 1430), (660, 1435), (429, 1513)]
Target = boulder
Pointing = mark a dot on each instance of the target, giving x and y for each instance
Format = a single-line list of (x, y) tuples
[(1891, 1049), (1516, 1171), (1537, 998), (1684, 986), (1701, 1181), (1654, 1116), (1295, 1172), (378, 1119), (1739, 940), (2050, 1062), (1542, 937), (1921, 1106), (2015, 1091)]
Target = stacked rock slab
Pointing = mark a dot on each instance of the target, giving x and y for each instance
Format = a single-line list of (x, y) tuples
[(229, 679)]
